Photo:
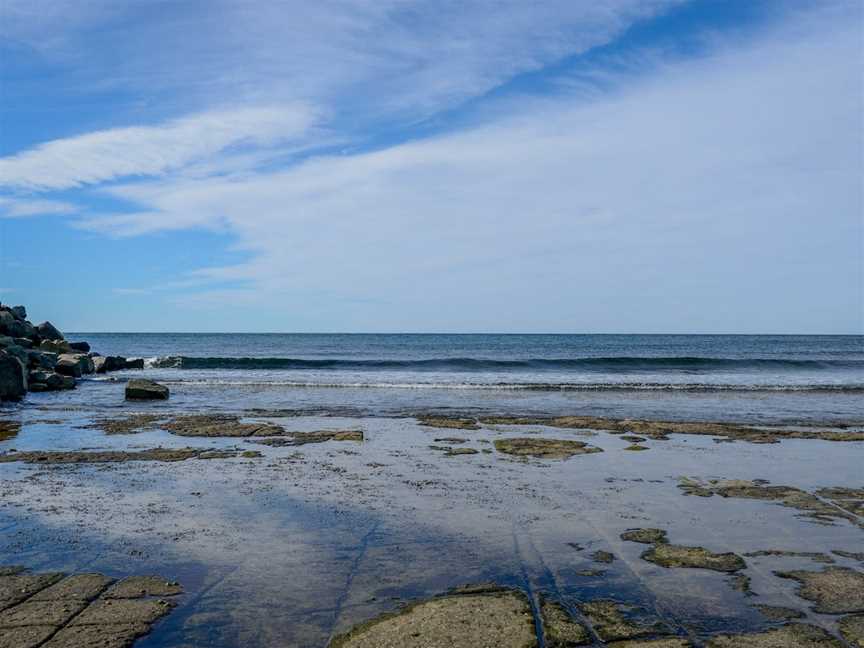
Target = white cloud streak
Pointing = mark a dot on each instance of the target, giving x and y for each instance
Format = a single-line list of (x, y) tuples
[(151, 150), (24, 208)]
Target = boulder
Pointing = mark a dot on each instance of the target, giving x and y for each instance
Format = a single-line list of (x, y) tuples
[(19, 352), (41, 360), (68, 365), (55, 346), (84, 362), (50, 381), (27, 343), (112, 363), (6, 341), (19, 312), (80, 346), (48, 331), (142, 389), (135, 363), (7, 320), (13, 377)]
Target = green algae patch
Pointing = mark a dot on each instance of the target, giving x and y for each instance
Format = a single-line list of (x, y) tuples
[(603, 557), (645, 536), (666, 642), (811, 506), (115, 456), (776, 613), (636, 448), (834, 590), (302, 438), (852, 630), (490, 619), (449, 423), (560, 629), (544, 448), (669, 555), (219, 425), (792, 635), (660, 430), (615, 621), (9, 430), (131, 424)]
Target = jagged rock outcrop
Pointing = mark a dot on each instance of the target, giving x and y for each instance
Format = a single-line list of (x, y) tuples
[(39, 358)]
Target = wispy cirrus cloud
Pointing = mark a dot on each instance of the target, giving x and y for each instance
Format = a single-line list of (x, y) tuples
[(660, 191), (26, 207), (151, 150)]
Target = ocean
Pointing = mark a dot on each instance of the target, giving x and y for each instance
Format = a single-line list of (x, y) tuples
[(771, 378)]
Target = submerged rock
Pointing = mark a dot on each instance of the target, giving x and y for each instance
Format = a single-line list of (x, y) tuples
[(792, 635), (498, 619), (449, 423), (668, 555), (219, 425), (603, 557), (143, 389), (560, 629), (775, 613), (302, 438), (645, 536), (614, 621), (834, 590), (665, 642), (544, 448), (116, 456), (852, 630)]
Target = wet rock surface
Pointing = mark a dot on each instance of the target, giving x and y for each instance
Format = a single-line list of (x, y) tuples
[(834, 590), (645, 536), (614, 621), (669, 555), (219, 425), (852, 630), (78, 610), (449, 423), (793, 635), (117, 456), (812, 506), (497, 619), (319, 436), (660, 430), (541, 448), (559, 627)]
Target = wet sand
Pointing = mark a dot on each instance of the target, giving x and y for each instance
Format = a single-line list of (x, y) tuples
[(339, 520)]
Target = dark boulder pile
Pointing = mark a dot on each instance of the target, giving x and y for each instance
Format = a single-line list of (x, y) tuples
[(38, 358)]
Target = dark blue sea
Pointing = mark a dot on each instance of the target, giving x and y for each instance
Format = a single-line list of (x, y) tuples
[(746, 377)]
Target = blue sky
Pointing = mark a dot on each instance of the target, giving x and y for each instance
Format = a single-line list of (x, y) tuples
[(610, 166)]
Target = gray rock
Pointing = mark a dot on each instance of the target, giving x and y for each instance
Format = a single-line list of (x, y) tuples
[(135, 363), (7, 320), (50, 380), (18, 352), (20, 312), (69, 365), (27, 343), (84, 347), (49, 332), (13, 377), (55, 346), (142, 389), (111, 363), (6, 341), (41, 359)]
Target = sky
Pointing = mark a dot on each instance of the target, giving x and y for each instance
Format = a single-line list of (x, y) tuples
[(614, 166)]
